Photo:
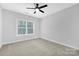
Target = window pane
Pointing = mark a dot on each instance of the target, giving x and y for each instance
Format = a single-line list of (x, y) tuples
[(22, 24), (30, 31), (29, 27), (21, 27), (29, 24), (21, 30)]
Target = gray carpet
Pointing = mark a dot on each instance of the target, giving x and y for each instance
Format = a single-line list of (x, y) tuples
[(37, 47)]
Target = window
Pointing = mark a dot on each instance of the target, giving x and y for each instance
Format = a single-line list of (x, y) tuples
[(29, 27), (21, 27), (24, 27)]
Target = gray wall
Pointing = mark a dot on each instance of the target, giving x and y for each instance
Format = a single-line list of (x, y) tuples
[(62, 27), (9, 26), (0, 26)]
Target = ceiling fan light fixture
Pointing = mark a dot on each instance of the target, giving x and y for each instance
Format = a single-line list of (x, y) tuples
[(37, 10)]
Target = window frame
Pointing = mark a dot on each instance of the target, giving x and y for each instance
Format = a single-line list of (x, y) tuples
[(26, 28)]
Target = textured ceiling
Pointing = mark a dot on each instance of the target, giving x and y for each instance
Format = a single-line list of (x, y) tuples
[(21, 7)]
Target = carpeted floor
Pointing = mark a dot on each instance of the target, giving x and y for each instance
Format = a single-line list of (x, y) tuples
[(37, 47)]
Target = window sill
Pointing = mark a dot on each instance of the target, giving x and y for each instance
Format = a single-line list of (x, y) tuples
[(24, 34)]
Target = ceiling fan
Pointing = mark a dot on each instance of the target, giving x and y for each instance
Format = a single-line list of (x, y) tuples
[(38, 8)]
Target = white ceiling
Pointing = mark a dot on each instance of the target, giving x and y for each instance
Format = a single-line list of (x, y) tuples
[(21, 7)]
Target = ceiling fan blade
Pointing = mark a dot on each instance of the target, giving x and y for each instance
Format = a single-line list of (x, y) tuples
[(34, 12), (30, 8), (41, 11), (42, 6)]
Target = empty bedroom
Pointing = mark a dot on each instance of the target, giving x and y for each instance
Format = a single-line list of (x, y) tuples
[(39, 29)]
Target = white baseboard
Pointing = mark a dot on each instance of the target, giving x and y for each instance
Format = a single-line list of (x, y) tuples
[(48, 39), (4, 43), (42, 38)]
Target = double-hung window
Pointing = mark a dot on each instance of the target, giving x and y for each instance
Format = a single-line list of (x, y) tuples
[(24, 27)]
